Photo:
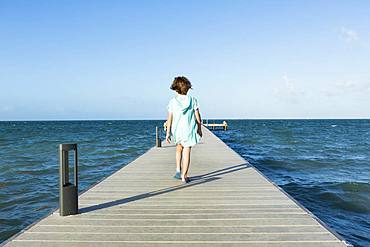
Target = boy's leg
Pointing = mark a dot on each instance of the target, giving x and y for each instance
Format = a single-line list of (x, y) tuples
[(186, 162), (179, 149)]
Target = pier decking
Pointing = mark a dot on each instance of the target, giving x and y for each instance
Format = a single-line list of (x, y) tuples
[(227, 203)]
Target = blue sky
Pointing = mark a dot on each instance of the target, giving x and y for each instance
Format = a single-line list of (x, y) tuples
[(246, 59)]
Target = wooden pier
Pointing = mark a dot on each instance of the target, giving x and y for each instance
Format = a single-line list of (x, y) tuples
[(214, 125), (227, 203)]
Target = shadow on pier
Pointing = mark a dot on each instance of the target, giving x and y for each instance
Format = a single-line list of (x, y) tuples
[(195, 180)]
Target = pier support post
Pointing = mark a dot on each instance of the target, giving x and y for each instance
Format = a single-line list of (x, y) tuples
[(68, 192), (158, 141)]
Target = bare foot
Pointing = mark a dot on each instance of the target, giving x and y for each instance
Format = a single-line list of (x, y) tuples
[(185, 179)]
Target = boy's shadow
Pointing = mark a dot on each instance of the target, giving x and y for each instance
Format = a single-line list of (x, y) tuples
[(223, 171), (195, 180)]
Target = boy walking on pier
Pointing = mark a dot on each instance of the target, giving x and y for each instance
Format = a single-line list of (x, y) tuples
[(183, 124)]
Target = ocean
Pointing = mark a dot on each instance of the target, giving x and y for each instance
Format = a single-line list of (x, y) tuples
[(323, 164)]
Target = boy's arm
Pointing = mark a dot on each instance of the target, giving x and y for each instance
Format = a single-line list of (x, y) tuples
[(168, 129), (199, 122)]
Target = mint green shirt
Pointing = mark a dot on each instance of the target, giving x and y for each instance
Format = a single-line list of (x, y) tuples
[(184, 126)]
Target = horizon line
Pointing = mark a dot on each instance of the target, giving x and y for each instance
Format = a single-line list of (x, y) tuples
[(164, 119)]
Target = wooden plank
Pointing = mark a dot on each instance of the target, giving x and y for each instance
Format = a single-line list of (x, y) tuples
[(178, 229), (228, 202)]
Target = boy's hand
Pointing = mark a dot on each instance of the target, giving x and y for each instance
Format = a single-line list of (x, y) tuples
[(200, 131), (168, 139)]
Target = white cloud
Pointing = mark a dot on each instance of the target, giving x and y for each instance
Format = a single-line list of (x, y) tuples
[(289, 91), (349, 87), (288, 84), (349, 35), (6, 108), (346, 84)]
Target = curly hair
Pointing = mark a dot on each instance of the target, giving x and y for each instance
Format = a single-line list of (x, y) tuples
[(181, 85)]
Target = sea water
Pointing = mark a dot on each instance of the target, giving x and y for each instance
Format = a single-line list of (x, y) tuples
[(29, 168), (324, 164)]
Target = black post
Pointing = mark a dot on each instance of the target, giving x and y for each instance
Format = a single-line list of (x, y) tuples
[(158, 141), (68, 192)]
